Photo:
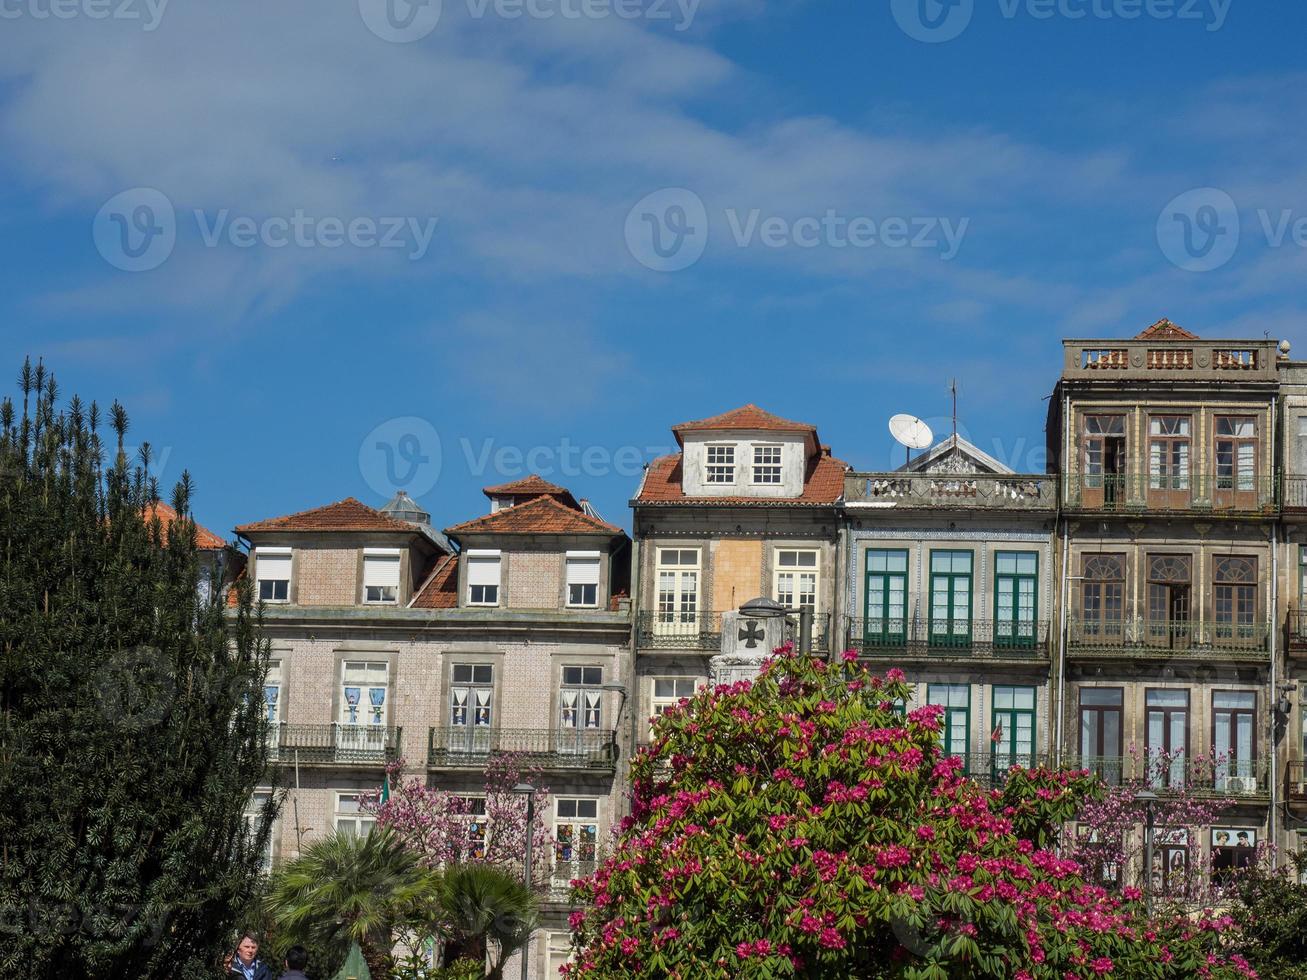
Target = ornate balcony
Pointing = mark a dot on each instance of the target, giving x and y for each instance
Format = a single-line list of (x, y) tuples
[(703, 631), (1295, 790), (1296, 632), (1127, 493), (1232, 778), (1135, 638), (922, 639), (949, 491), (471, 747), (990, 768), (335, 744)]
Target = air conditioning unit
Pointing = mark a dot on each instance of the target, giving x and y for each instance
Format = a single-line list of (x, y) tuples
[(1241, 785)]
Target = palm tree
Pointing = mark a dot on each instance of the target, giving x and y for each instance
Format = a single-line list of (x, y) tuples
[(485, 910), (347, 889)]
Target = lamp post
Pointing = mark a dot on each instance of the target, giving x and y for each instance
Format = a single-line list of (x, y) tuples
[(1148, 798), (764, 608), (529, 791)]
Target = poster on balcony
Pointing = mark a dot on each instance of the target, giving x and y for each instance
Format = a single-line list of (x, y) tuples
[(1233, 837)]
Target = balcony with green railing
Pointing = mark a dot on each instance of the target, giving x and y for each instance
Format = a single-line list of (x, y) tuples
[(990, 769), (334, 744), (1135, 638), (1209, 777), (472, 747), (1247, 494), (1024, 641)]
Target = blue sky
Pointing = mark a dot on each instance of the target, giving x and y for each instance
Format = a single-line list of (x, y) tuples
[(596, 226)]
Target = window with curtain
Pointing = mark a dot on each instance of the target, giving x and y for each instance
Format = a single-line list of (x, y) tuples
[(1167, 737)]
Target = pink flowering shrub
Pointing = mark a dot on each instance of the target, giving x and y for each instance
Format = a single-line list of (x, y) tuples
[(797, 826)]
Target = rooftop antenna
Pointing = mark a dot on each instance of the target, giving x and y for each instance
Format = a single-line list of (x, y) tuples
[(910, 433), (953, 387)]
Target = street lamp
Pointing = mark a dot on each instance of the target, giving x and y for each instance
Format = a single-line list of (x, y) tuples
[(764, 608), (1148, 798), (529, 791)]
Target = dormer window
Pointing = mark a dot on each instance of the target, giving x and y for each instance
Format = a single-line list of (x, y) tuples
[(483, 578), (766, 465), (381, 576), (501, 503), (721, 464), (272, 570)]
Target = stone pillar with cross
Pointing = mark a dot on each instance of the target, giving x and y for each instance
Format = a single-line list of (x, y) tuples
[(746, 642)]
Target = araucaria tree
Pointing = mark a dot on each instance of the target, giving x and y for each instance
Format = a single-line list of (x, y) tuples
[(800, 825), (131, 716)]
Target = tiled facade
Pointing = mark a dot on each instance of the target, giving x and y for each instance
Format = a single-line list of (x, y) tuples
[(1150, 588)]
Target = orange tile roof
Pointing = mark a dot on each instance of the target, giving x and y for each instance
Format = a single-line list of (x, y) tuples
[(440, 590), (532, 484), (205, 539), (344, 515), (1164, 329), (542, 515), (748, 417), (823, 483)]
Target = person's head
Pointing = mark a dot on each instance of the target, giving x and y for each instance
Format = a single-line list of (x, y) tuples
[(248, 948), (1243, 837), (297, 958), (1222, 837)]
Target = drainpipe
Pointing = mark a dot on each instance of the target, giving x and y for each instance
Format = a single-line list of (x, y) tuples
[(634, 679), (1059, 735), (1273, 774)]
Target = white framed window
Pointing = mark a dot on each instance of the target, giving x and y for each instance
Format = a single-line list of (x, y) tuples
[(583, 578), (483, 578), (581, 698), (350, 818), (678, 586), (471, 697), (363, 689), (796, 577), (766, 464), (721, 464), (558, 953), (576, 832), (272, 571), (381, 576), (253, 814), (272, 692), (667, 692)]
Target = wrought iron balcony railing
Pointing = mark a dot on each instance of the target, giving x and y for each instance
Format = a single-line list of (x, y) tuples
[(679, 630), (471, 747), (334, 744), (951, 491), (703, 631), (1297, 634), (1143, 492), (1191, 639), (990, 768), (563, 873), (1296, 790), (1294, 492), (985, 639), (1208, 777)]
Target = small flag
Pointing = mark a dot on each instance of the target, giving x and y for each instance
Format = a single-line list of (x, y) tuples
[(385, 788), (996, 735)]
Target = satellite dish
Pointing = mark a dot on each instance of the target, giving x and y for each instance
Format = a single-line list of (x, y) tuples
[(910, 431)]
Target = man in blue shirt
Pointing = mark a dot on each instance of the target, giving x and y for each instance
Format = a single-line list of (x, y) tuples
[(246, 965)]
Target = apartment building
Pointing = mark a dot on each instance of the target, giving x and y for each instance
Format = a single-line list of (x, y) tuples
[(951, 576), (1166, 445), (747, 508), (504, 634)]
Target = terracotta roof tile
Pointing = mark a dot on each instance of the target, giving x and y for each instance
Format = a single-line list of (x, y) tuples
[(533, 484), (440, 590), (543, 515), (344, 515), (823, 483), (205, 539), (1164, 329), (748, 417)]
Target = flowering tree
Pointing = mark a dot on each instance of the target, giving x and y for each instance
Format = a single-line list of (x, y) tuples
[(1110, 842), (446, 828), (799, 825)]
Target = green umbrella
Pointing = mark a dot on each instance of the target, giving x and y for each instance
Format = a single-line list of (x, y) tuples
[(354, 968)]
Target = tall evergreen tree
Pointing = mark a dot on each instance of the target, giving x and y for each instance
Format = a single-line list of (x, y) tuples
[(132, 727)]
